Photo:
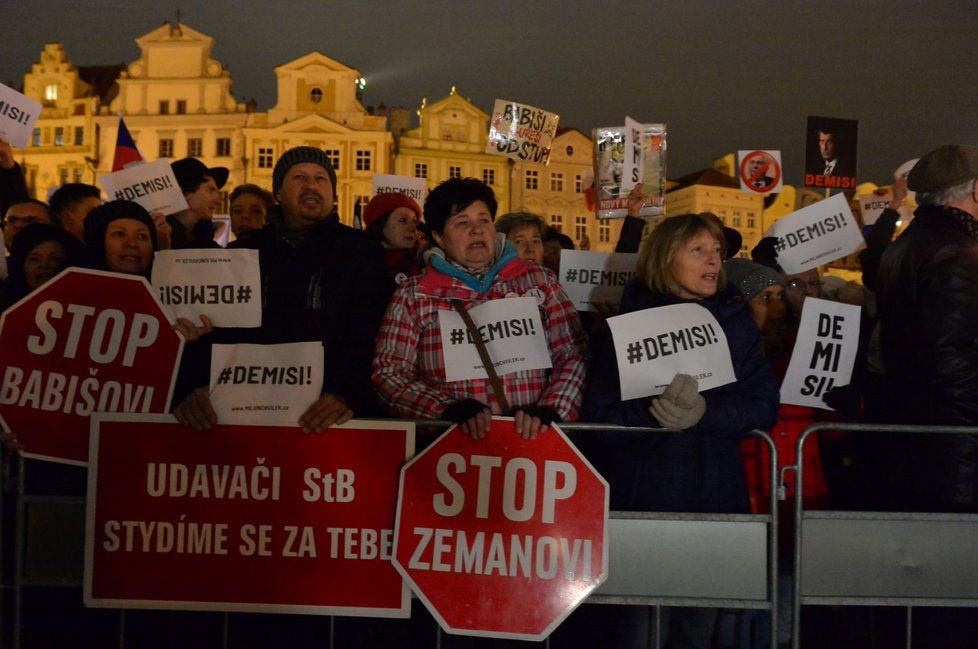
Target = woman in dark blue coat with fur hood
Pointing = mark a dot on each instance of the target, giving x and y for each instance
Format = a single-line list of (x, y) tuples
[(700, 470)]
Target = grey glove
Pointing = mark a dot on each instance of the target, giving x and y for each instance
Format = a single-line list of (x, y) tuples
[(681, 406)]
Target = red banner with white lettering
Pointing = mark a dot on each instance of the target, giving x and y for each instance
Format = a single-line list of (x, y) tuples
[(244, 518)]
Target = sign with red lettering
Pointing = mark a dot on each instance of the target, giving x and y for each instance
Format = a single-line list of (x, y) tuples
[(521, 132), (87, 341), (227, 520), (830, 152), (502, 537)]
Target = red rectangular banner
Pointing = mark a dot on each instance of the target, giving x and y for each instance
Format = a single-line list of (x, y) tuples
[(244, 518)]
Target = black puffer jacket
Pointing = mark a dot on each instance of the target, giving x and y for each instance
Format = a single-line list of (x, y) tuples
[(928, 309), (329, 286)]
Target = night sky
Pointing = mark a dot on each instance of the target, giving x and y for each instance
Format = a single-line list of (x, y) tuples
[(722, 75)]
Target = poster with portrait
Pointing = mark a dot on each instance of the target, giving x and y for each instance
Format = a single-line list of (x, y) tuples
[(830, 153), (609, 167)]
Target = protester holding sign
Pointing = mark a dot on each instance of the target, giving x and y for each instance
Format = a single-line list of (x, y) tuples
[(322, 281), (40, 252), (392, 219), (473, 266)]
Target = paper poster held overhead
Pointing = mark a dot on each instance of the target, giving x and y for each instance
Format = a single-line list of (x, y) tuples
[(610, 158), (816, 235), (521, 132)]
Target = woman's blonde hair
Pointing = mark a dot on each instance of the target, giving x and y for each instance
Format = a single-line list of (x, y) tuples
[(655, 259)]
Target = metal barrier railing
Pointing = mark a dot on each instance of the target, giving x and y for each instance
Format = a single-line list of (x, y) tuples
[(701, 536), (860, 558)]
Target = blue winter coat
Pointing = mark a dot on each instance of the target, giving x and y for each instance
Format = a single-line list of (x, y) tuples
[(699, 469)]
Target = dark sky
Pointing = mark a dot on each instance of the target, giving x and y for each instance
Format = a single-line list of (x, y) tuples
[(723, 75)]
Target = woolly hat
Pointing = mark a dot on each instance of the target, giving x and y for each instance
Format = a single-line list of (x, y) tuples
[(382, 204), (298, 155), (944, 167), (190, 173), (749, 277), (97, 222)]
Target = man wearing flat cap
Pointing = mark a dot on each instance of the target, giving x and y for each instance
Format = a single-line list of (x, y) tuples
[(322, 281), (200, 184), (928, 308)]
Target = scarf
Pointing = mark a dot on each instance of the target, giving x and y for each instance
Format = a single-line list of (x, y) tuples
[(478, 280)]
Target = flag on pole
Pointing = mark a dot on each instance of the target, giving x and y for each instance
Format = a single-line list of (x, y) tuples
[(126, 152)]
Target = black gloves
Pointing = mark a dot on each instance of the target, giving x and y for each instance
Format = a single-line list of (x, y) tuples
[(462, 411), (546, 415)]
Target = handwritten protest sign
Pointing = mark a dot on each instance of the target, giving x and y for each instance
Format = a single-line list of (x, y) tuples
[(824, 353), (521, 132), (265, 384), (634, 163), (595, 277), (760, 171), (416, 188), (609, 167), (224, 285), (815, 235), (511, 330), (244, 518), (86, 341), (18, 114), (653, 345), (871, 206), (151, 184)]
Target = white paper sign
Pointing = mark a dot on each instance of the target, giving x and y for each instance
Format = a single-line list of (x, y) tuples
[(871, 206), (416, 188), (151, 184), (18, 115), (824, 353), (224, 285), (268, 385), (609, 165), (816, 235), (634, 164), (760, 171), (222, 229), (653, 345), (589, 277), (521, 132), (511, 330)]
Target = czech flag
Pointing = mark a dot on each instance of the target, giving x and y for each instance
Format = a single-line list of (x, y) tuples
[(126, 153)]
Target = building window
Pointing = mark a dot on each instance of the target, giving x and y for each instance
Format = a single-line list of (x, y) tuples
[(557, 222), (750, 221), (64, 176), (489, 176), (51, 92), (420, 170), (359, 205), (195, 147), (578, 183), (316, 95), (79, 135), (181, 106), (604, 230), (166, 148), (266, 158), (580, 227), (36, 137), (556, 182), (454, 172), (78, 174), (165, 107), (532, 179), (223, 146), (59, 136), (363, 160), (334, 158)]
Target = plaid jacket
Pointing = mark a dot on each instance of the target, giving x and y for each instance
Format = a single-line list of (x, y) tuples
[(409, 372)]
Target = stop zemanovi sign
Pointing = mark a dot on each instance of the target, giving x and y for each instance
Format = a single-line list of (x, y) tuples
[(86, 341), (501, 537)]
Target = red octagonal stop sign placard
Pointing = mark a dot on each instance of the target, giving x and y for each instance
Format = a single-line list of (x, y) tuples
[(501, 537), (87, 341)]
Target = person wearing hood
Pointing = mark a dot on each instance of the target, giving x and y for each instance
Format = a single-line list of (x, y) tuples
[(471, 264), (40, 252), (322, 281), (699, 469)]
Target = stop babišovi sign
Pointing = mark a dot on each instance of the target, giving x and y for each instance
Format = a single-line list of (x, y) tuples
[(86, 341), (501, 537)]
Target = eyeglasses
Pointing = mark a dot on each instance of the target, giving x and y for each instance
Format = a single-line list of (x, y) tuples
[(798, 284)]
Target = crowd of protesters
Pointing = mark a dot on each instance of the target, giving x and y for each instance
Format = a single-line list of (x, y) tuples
[(373, 298)]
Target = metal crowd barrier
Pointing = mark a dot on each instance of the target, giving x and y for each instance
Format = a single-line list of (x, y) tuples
[(655, 559), (858, 558)]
